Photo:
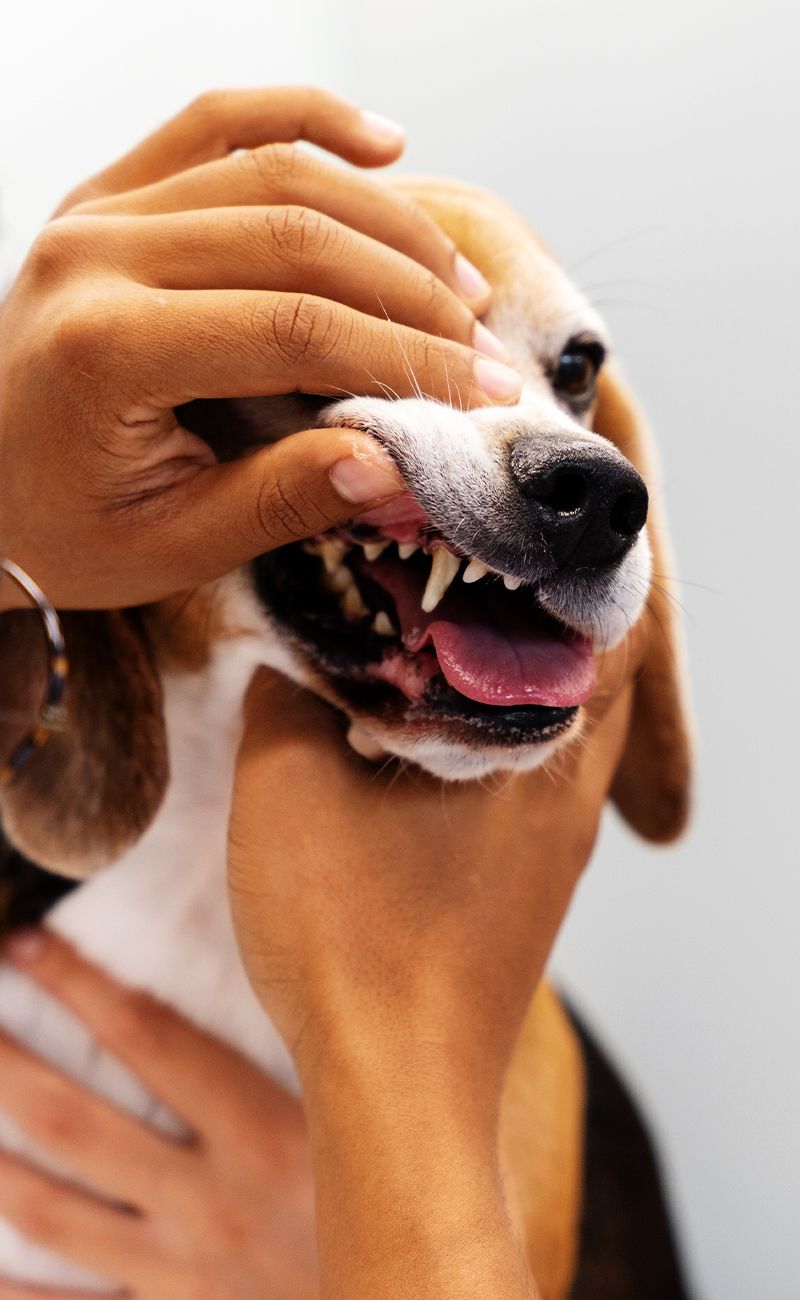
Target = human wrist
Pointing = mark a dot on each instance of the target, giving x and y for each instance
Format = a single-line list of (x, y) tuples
[(410, 1198)]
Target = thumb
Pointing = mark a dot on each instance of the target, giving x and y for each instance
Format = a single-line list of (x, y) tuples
[(226, 515)]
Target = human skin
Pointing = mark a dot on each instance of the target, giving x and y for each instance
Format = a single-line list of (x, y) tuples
[(415, 922), (219, 260), (226, 1215)]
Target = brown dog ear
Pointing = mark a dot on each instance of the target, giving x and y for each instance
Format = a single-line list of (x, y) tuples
[(91, 790), (652, 785)]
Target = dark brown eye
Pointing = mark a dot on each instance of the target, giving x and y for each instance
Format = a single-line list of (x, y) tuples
[(575, 374)]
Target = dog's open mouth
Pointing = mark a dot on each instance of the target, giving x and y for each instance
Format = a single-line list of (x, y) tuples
[(414, 632)]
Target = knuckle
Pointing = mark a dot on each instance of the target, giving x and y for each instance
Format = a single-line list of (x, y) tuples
[(56, 248), (85, 332), (274, 165), (301, 235), (209, 109), (59, 1122), (431, 291), (286, 510), (307, 330)]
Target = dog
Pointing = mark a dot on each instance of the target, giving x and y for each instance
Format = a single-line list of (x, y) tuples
[(470, 627)]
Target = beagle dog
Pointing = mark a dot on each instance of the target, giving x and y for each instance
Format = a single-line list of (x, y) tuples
[(473, 626)]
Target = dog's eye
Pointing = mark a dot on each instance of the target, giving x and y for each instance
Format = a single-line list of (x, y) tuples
[(576, 371)]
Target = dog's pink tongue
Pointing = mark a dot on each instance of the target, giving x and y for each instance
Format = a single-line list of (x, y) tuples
[(489, 654), (493, 666)]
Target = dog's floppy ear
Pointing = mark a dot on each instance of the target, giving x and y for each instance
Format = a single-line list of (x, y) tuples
[(93, 788), (653, 782)]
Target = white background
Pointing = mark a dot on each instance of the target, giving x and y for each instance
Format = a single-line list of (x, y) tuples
[(656, 148)]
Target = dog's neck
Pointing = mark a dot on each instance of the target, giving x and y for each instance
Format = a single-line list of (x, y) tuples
[(159, 917)]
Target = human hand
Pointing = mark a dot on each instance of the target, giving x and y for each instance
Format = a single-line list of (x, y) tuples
[(227, 1215), (206, 264), (395, 929)]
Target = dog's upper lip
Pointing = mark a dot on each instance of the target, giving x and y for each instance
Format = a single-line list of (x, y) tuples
[(402, 519)]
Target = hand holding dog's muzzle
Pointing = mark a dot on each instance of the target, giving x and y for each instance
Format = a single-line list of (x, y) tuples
[(395, 929)]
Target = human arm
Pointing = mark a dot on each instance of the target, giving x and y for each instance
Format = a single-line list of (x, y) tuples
[(415, 921)]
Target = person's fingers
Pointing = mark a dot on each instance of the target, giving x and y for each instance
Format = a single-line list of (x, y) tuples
[(99, 1142), (284, 249), (67, 1220), (187, 344), (287, 176), (291, 490), (221, 121), (181, 1064)]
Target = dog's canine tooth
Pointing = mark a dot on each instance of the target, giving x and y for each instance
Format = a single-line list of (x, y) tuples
[(444, 567), (382, 624), (352, 604), (373, 549), (332, 551), (474, 571), (511, 584), (406, 549)]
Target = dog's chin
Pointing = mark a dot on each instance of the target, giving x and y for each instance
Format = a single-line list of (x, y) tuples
[(444, 756)]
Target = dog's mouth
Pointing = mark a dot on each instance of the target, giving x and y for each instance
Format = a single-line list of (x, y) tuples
[(411, 631)]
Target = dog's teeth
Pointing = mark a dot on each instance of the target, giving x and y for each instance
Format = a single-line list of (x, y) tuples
[(511, 584), (474, 571), (444, 567), (373, 549), (382, 624), (332, 552), (340, 579), (352, 604), (406, 549)]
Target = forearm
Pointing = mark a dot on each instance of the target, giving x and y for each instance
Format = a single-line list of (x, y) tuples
[(409, 1196)]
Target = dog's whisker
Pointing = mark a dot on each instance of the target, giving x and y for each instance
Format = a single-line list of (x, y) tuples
[(612, 244)]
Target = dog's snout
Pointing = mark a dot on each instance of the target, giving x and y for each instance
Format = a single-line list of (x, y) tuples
[(588, 506)]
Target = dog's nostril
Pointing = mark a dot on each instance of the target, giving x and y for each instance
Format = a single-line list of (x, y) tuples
[(565, 493), (629, 513)]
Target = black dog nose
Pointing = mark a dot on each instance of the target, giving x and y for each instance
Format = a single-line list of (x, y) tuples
[(589, 506)]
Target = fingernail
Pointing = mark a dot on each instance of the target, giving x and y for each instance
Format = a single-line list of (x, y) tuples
[(485, 341), (469, 277), (500, 382), (24, 946), (361, 479), (382, 126)]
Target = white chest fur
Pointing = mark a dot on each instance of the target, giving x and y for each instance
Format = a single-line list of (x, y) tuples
[(159, 920)]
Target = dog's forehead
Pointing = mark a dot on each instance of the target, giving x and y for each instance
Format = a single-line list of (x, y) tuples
[(535, 307)]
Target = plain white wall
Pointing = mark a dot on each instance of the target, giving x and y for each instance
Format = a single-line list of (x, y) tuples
[(655, 148)]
